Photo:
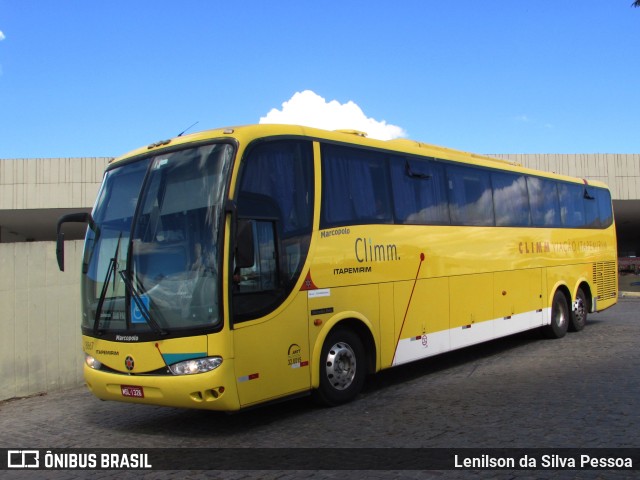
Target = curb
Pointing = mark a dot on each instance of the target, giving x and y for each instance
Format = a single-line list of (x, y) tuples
[(629, 294)]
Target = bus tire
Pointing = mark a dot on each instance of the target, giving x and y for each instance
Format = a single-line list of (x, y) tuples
[(560, 317), (342, 368), (579, 312)]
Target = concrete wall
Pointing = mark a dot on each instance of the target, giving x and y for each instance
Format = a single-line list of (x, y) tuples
[(40, 340), (44, 183), (621, 172)]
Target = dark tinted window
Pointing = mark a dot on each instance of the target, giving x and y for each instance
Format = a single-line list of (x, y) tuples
[(361, 186), (355, 187), (544, 202), (592, 215), (276, 197), (419, 192), (510, 200), (470, 196), (597, 205), (572, 204), (605, 211), (282, 172)]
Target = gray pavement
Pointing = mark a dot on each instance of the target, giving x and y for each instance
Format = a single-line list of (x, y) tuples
[(582, 391)]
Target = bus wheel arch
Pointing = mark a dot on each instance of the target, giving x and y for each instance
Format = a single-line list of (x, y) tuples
[(346, 357), (560, 314), (580, 307)]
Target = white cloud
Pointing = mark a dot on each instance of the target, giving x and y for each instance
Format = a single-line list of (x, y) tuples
[(309, 109)]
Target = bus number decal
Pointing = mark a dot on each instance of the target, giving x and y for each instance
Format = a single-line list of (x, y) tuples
[(294, 356)]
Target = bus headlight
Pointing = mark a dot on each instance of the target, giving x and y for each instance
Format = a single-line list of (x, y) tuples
[(197, 365), (92, 362)]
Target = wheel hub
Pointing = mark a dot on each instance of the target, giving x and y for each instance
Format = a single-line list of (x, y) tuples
[(341, 366)]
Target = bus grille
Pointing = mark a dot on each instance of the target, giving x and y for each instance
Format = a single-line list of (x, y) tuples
[(605, 279)]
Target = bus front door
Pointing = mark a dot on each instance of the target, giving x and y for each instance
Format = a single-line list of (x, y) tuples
[(272, 354)]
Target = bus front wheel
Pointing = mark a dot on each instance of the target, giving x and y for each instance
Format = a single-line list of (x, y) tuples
[(342, 368), (560, 317)]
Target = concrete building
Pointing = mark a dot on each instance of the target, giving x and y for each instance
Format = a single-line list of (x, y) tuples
[(40, 341), (39, 320), (35, 192)]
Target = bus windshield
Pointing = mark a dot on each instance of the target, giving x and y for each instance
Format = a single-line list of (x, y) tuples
[(151, 260)]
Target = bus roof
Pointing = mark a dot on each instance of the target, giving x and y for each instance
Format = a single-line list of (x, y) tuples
[(246, 133)]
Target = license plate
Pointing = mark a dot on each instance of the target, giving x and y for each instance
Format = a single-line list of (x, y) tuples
[(132, 391)]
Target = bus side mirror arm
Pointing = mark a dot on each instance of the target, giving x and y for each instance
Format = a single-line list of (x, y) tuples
[(82, 217)]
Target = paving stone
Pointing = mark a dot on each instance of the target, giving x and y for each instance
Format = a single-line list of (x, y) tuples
[(581, 391)]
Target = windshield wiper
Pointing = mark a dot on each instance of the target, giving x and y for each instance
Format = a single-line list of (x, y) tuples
[(142, 307), (111, 269)]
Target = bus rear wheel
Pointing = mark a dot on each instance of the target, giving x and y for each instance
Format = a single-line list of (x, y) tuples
[(342, 368), (580, 311), (560, 317)]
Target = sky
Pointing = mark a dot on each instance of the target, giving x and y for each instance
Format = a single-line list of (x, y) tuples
[(90, 79)]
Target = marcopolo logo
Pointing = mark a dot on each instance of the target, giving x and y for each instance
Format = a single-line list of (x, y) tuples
[(129, 362)]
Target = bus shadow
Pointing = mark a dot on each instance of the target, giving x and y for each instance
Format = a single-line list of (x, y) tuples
[(446, 361), (189, 426), (465, 356), (197, 426)]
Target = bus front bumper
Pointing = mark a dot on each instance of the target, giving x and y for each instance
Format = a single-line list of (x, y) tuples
[(214, 390)]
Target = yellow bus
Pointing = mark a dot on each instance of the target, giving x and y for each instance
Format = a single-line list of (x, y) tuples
[(243, 265)]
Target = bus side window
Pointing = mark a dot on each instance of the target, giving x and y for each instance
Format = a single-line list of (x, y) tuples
[(543, 198), (592, 218), (471, 196), (605, 210), (275, 197), (572, 201), (510, 199), (419, 192), (355, 187), (258, 285)]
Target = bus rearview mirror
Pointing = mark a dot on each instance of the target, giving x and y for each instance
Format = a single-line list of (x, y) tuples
[(81, 217)]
